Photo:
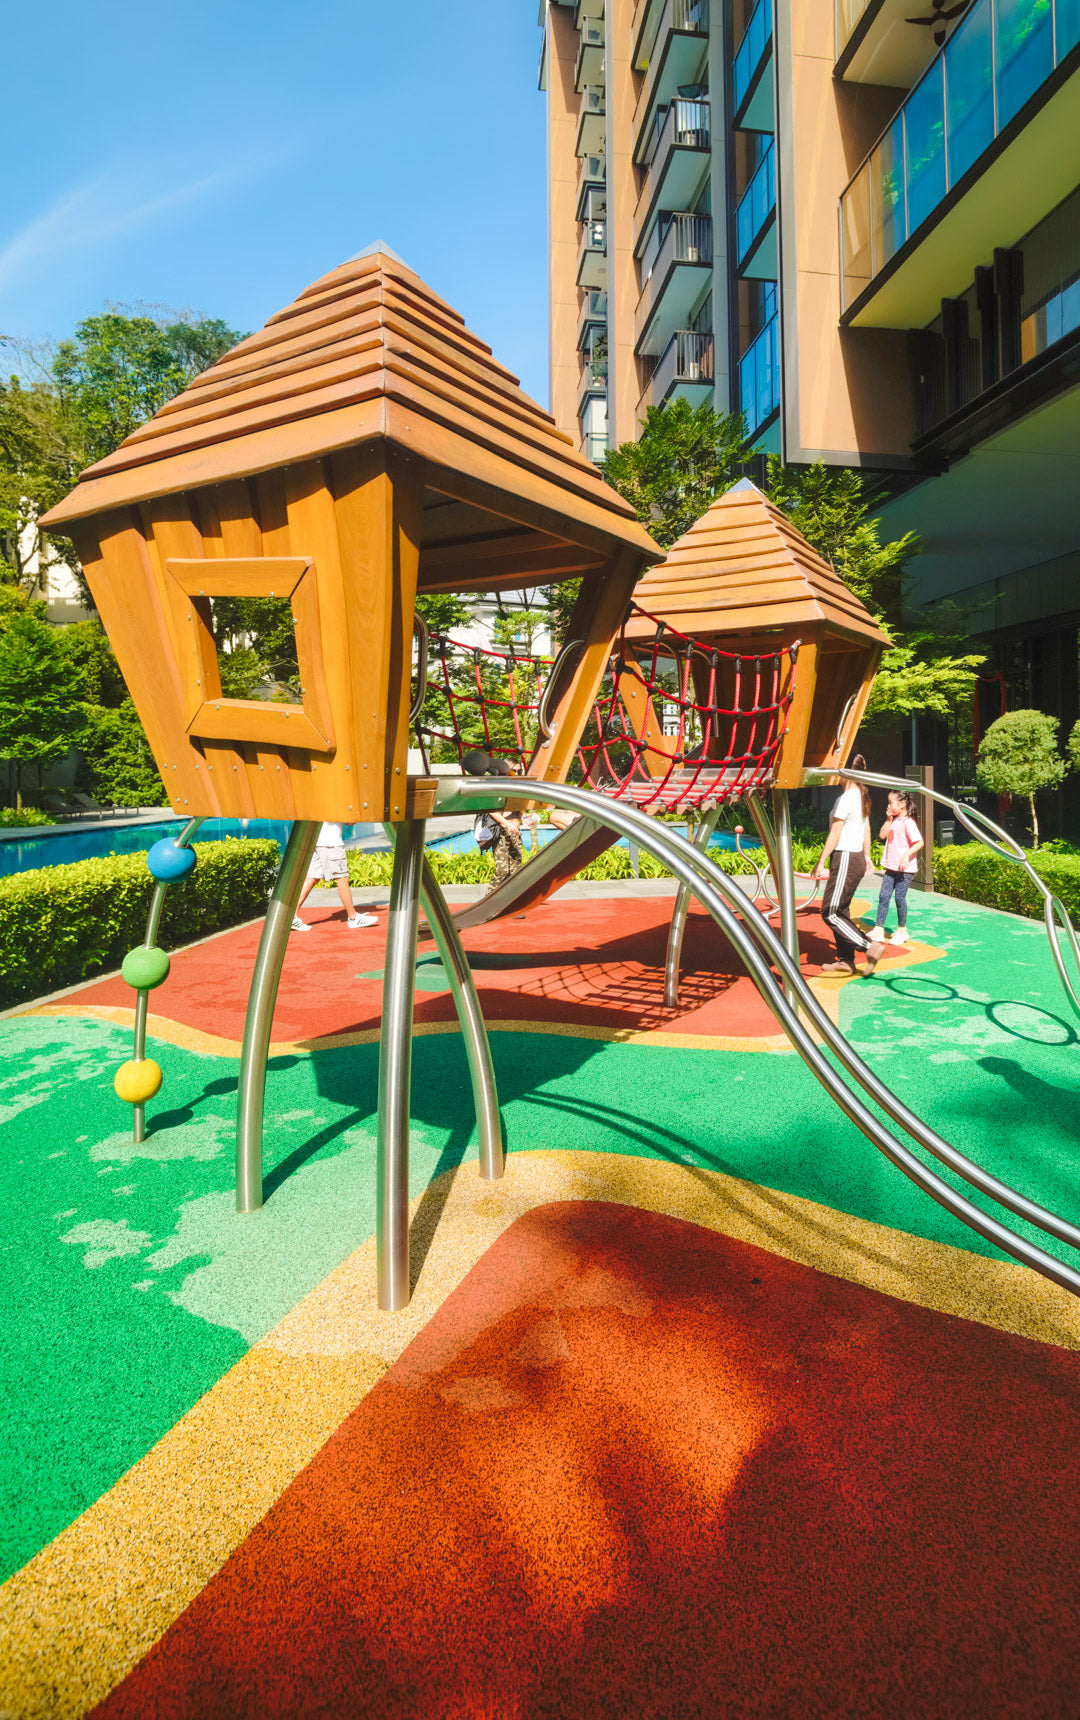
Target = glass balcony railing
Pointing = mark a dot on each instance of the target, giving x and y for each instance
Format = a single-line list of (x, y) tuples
[(759, 377), (748, 55), (594, 445), (996, 60), (755, 205)]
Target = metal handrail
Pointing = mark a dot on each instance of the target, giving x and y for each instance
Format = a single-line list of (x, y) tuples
[(420, 628), (541, 709), (761, 949)]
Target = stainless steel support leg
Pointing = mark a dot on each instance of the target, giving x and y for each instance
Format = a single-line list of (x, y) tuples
[(677, 930), (473, 1029), (784, 874), (395, 1069), (260, 1013)]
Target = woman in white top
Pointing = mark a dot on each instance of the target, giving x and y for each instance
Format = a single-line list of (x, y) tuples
[(844, 861)]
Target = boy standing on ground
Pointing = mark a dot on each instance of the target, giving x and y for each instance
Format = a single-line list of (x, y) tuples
[(329, 861)]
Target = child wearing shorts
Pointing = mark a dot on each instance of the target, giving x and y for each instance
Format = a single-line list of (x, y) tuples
[(902, 840), (329, 862)]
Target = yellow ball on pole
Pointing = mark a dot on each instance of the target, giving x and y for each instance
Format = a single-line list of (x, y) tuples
[(137, 1080)]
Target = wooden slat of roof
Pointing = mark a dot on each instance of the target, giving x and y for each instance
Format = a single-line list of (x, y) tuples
[(368, 330), (743, 566)]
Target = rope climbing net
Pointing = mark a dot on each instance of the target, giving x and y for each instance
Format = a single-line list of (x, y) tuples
[(480, 698), (678, 725), (681, 725)]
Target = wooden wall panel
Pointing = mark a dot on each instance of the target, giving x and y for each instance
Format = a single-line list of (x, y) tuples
[(125, 586)]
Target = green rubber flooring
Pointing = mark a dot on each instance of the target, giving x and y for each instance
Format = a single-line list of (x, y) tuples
[(132, 1285)]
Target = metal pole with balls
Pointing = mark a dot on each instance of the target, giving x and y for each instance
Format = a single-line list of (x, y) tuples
[(146, 967)]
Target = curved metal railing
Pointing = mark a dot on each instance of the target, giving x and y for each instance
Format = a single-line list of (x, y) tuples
[(761, 950)]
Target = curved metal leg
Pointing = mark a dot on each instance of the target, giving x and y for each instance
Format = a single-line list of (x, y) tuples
[(785, 880), (395, 1069), (677, 930), (260, 1013), (470, 1015)]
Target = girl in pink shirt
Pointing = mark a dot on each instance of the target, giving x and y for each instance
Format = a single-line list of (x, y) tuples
[(902, 840)]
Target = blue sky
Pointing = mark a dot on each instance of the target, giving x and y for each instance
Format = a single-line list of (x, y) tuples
[(220, 156)]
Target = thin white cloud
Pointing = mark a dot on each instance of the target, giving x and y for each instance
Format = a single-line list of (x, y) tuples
[(102, 208)]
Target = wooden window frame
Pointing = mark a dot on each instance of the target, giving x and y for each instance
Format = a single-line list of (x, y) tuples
[(261, 722)]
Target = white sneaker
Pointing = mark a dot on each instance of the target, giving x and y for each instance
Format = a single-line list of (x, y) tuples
[(877, 934), (359, 920), (900, 936), (299, 925)]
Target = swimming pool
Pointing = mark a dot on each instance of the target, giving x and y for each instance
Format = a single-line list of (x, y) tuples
[(63, 846)]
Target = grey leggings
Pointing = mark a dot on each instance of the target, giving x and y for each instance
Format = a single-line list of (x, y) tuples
[(893, 883)]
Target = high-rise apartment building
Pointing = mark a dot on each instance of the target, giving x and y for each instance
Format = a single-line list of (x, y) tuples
[(857, 221)]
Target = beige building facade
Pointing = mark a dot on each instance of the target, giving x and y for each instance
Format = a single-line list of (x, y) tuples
[(858, 223)]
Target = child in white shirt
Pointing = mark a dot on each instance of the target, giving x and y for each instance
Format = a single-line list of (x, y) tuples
[(329, 861), (902, 840)]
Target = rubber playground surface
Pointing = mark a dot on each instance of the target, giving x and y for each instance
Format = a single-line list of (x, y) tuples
[(702, 1409)]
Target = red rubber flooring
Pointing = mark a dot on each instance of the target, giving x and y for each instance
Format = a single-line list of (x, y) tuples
[(596, 963), (634, 1467)]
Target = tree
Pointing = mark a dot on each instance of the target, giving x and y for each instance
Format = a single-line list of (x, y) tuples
[(684, 458), (1019, 755), (40, 713), (117, 765), (927, 668)]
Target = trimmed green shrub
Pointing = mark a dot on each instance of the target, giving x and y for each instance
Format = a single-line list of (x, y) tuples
[(974, 874), (22, 818), (63, 924)]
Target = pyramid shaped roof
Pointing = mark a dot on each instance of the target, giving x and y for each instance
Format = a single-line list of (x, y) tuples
[(743, 567), (367, 351)]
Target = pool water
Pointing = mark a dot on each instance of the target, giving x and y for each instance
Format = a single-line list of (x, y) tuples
[(61, 849), (65, 846)]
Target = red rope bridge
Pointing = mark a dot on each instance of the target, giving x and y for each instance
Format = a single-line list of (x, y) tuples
[(678, 724)]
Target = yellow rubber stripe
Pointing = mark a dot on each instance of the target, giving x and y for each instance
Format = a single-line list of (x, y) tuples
[(83, 1612)]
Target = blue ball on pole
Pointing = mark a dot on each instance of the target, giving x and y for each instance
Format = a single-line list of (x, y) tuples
[(168, 863)]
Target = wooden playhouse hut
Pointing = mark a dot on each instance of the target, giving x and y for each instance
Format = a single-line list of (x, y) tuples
[(361, 447), (744, 580)]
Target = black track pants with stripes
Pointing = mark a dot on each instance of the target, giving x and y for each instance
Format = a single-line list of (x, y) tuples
[(845, 871)]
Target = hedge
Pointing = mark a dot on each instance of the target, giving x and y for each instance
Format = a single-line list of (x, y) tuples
[(63, 924), (971, 872)]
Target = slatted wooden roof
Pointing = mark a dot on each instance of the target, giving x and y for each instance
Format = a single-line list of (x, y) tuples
[(743, 568), (370, 351)]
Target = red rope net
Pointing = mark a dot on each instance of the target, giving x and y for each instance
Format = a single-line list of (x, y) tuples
[(683, 725), (678, 724)]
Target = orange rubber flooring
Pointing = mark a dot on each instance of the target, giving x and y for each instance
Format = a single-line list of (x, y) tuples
[(573, 964)]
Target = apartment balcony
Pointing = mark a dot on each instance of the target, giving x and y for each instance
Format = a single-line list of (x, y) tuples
[(593, 383), (592, 255), (752, 87), (986, 141), (594, 445), (755, 221), (759, 377), (677, 57), (589, 68), (587, 9), (1006, 348), (675, 156), (592, 124), (592, 318), (877, 44), (684, 370), (591, 181), (675, 278)]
